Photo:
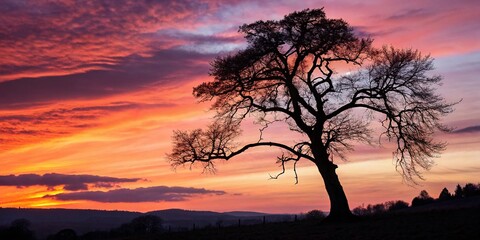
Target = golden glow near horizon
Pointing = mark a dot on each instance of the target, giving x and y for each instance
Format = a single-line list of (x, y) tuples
[(108, 107)]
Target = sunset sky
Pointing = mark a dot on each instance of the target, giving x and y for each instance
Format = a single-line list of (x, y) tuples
[(91, 91)]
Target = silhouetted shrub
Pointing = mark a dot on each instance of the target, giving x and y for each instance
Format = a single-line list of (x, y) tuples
[(422, 199), (315, 215)]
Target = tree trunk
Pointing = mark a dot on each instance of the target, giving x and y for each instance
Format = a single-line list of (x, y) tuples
[(339, 209)]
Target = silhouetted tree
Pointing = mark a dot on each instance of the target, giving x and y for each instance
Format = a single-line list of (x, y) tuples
[(422, 199), (143, 225), (360, 211), (445, 195), (471, 190), (289, 73), (459, 191), (378, 208), (147, 224), (395, 205)]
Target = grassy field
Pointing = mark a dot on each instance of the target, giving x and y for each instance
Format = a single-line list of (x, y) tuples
[(422, 224)]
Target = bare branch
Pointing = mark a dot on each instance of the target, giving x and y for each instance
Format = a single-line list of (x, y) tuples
[(216, 143), (283, 160)]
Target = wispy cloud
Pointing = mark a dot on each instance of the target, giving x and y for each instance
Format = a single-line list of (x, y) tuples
[(471, 129), (147, 194), (45, 38), (69, 182), (409, 14), (40, 125), (130, 75)]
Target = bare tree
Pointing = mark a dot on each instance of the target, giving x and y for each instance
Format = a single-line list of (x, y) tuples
[(288, 73)]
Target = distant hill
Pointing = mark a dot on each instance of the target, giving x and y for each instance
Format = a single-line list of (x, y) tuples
[(246, 214), (180, 214), (50, 221), (179, 218)]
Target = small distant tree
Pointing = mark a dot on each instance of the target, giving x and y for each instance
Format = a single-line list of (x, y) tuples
[(422, 199), (147, 224), (374, 209), (143, 225), (471, 190), (378, 208), (289, 73), (445, 195), (459, 191), (395, 205)]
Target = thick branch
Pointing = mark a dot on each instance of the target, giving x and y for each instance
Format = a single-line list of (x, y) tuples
[(216, 143)]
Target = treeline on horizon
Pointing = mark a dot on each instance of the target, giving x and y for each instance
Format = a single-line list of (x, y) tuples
[(149, 225), (424, 198)]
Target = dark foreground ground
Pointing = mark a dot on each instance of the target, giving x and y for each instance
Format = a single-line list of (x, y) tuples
[(415, 224)]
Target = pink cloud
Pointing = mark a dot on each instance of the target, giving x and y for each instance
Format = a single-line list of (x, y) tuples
[(44, 38)]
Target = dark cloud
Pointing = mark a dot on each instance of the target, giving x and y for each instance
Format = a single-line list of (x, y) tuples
[(471, 129), (132, 74), (76, 187), (69, 182), (148, 194), (105, 185)]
